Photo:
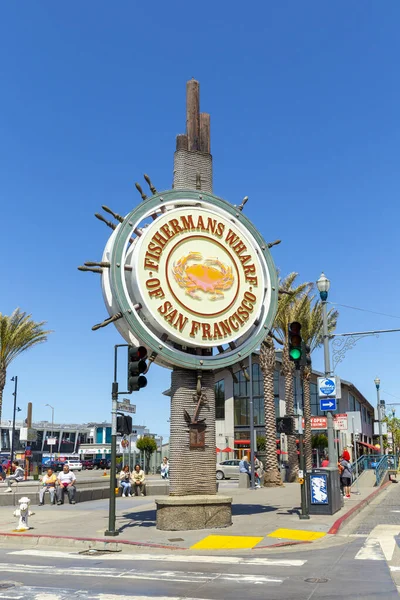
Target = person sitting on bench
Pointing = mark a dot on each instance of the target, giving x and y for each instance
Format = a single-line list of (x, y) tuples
[(19, 475), (48, 485), (138, 481), (66, 483)]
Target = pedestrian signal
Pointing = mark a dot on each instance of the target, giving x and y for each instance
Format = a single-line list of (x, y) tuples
[(285, 425)]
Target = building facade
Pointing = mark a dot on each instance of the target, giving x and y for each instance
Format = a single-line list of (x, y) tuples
[(232, 396), (83, 441)]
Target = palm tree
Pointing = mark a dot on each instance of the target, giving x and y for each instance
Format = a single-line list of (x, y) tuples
[(287, 312), (18, 333), (272, 477), (309, 314)]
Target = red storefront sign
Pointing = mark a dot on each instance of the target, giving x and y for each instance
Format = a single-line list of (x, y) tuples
[(318, 423)]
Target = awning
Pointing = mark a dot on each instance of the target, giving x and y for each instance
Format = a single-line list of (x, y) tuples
[(217, 450), (227, 449), (370, 446)]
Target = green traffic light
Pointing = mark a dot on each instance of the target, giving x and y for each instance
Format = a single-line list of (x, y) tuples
[(295, 353)]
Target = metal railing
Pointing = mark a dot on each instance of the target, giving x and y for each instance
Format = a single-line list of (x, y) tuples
[(365, 462), (388, 461)]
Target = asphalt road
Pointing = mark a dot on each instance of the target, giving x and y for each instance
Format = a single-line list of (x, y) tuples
[(324, 574), (361, 563)]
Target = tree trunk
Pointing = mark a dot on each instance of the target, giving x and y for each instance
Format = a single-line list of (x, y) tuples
[(288, 372), (307, 417), (192, 469), (2, 386), (272, 476)]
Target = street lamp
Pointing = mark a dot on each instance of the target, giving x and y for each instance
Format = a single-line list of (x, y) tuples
[(52, 427), (377, 382), (15, 380), (323, 285)]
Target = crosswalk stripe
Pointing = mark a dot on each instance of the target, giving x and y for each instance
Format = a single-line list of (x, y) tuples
[(171, 576), (184, 558), (380, 544), (371, 550)]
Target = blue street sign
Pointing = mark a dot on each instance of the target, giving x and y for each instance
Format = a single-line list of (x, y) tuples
[(327, 404)]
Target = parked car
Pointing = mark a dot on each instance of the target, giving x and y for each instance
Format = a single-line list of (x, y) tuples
[(228, 469), (87, 464), (74, 464), (101, 463), (55, 465)]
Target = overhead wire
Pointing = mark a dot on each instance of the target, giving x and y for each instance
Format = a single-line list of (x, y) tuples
[(373, 312)]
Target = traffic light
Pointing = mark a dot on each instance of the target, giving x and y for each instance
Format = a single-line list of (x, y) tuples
[(285, 425), (124, 424), (305, 360), (137, 365), (295, 342)]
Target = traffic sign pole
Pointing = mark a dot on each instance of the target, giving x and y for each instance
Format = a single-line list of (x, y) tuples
[(331, 439)]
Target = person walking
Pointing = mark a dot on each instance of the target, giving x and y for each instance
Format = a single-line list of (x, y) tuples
[(325, 462), (18, 475), (258, 471), (165, 468), (244, 466), (125, 481), (346, 473)]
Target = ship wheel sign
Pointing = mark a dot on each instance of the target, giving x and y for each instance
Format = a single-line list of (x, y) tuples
[(187, 275)]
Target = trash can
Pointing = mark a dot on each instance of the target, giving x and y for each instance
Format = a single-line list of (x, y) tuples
[(323, 491)]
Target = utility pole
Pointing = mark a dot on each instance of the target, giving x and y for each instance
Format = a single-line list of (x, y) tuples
[(377, 382), (52, 429), (323, 285), (111, 531), (251, 406)]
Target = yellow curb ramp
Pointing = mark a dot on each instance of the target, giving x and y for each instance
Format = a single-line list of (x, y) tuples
[(227, 542), (296, 534)]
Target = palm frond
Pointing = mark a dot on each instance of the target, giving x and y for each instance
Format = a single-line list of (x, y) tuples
[(18, 332)]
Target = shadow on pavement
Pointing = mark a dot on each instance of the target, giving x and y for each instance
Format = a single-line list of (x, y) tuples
[(145, 518), (251, 509)]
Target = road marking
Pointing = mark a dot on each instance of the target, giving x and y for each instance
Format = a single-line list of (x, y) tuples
[(380, 544), (40, 593), (227, 542), (173, 576), (371, 550), (184, 558), (297, 534)]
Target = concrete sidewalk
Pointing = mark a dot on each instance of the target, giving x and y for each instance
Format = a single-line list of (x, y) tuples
[(262, 519)]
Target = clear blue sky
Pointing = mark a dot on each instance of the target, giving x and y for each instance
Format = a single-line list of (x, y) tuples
[(304, 101)]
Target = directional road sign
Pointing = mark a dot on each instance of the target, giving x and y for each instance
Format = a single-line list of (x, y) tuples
[(327, 404)]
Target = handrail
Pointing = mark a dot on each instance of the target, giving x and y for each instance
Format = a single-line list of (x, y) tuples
[(388, 461), (364, 462)]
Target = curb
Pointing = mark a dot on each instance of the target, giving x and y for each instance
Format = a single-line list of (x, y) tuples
[(105, 543), (115, 545), (282, 544), (356, 509)]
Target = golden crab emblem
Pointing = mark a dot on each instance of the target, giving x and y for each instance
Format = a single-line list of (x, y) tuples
[(210, 276)]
